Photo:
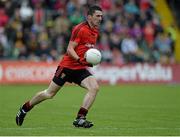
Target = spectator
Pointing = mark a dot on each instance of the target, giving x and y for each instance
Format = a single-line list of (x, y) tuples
[(1, 52), (149, 33), (62, 24), (131, 7), (130, 49), (163, 44), (104, 47), (3, 18), (4, 42), (39, 14), (117, 57), (76, 17), (50, 21)]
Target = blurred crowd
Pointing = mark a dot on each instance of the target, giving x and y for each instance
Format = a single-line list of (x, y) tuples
[(39, 30)]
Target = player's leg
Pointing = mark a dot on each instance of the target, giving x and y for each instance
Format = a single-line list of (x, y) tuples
[(92, 87), (48, 93), (39, 97), (58, 81)]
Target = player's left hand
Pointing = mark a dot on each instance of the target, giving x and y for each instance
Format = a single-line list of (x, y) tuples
[(83, 61)]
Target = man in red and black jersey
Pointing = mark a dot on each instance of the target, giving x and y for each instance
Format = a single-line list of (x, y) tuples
[(73, 68)]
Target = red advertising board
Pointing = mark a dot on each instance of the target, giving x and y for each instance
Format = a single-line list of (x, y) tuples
[(42, 72), (26, 72)]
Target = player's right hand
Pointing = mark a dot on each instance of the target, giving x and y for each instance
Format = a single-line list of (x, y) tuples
[(83, 61)]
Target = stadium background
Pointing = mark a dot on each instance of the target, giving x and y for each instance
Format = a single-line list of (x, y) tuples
[(139, 43)]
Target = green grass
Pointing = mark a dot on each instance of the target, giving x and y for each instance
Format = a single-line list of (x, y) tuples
[(147, 110)]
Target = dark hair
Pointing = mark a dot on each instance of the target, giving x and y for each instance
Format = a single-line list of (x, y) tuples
[(92, 9)]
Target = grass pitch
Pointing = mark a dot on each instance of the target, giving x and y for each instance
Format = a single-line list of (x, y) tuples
[(146, 110)]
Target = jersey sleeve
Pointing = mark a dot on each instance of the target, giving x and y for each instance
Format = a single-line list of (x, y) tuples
[(76, 35)]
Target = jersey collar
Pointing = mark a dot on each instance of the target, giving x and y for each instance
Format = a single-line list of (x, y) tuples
[(92, 28)]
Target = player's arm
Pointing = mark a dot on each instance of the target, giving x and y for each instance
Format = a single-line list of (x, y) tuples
[(70, 50), (75, 39)]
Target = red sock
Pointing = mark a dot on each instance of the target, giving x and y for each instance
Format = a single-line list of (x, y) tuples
[(27, 107), (82, 112)]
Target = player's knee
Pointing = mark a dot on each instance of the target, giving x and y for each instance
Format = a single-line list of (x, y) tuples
[(49, 95), (95, 88)]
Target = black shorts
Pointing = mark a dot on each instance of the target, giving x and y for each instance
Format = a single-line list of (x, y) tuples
[(63, 75)]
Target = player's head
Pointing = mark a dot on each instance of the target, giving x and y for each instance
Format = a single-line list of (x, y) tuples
[(94, 15)]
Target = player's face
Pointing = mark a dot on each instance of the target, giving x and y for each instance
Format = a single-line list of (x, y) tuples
[(96, 18)]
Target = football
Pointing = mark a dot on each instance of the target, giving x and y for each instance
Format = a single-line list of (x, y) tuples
[(93, 56)]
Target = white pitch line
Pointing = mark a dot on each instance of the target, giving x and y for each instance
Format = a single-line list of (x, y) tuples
[(103, 128), (29, 128)]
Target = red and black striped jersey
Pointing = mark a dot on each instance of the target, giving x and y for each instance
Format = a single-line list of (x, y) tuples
[(84, 35)]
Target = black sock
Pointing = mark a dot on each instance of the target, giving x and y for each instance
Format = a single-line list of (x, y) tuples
[(82, 112), (27, 107)]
